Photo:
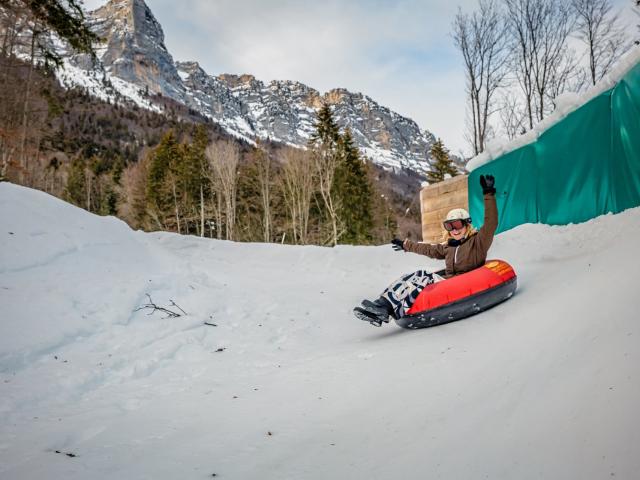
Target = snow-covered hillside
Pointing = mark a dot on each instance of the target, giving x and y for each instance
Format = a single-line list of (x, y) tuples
[(288, 384)]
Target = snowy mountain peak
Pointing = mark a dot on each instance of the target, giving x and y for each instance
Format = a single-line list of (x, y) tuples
[(134, 48), (130, 18), (189, 67), (337, 95), (135, 59), (234, 81)]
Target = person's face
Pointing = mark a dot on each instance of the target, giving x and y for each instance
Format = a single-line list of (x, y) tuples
[(458, 234)]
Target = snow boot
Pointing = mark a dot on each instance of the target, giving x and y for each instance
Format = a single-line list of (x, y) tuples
[(369, 316), (376, 312), (380, 306)]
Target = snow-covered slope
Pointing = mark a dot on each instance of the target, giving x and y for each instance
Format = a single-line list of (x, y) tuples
[(287, 384)]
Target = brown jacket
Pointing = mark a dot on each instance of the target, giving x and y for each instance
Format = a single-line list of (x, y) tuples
[(471, 253)]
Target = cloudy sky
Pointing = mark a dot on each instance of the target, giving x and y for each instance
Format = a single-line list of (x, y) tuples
[(400, 53)]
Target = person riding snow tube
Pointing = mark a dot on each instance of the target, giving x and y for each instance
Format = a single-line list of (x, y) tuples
[(464, 249), (461, 296)]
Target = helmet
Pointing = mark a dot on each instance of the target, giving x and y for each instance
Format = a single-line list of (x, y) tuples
[(458, 214)]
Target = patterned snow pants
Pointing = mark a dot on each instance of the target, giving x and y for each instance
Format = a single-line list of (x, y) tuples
[(404, 291)]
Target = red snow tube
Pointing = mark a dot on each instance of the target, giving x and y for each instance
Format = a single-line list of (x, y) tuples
[(461, 296)]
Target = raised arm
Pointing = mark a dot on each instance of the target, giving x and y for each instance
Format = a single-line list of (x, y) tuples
[(488, 229)]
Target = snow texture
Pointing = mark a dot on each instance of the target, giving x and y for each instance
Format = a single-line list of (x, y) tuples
[(71, 76), (564, 105), (284, 382)]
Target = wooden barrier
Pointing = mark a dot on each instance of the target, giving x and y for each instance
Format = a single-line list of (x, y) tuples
[(435, 202)]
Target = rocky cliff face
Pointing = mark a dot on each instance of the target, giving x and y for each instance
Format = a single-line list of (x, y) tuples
[(280, 110), (134, 49), (136, 60)]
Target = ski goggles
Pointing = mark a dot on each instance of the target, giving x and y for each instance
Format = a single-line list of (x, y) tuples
[(455, 224)]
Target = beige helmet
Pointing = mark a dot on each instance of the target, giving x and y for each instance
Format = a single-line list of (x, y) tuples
[(458, 214)]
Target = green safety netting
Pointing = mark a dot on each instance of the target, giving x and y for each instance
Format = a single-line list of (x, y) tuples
[(586, 165)]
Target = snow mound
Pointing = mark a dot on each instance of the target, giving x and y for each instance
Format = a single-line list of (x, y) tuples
[(268, 375)]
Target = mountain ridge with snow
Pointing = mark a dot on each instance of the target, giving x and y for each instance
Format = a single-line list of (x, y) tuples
[(135, 63)]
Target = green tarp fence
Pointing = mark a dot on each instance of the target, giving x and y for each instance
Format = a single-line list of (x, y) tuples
[(586, 165)]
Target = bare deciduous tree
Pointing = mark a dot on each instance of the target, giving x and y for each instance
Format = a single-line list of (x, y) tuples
[(16, 30), (637, 2), (223, 157), (482, 40), (543, 64), (265, 175), (598, 27), (326, 158), (174, 195), (298, 187), (24, 32), (35, 33), (325, 163), (512, 116), (133, 208), (568, 77)]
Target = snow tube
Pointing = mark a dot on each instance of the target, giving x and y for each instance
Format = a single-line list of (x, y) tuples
[(461, 296)]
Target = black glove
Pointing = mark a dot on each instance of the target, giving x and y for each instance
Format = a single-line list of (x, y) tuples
[(397, 244), (487, 184)]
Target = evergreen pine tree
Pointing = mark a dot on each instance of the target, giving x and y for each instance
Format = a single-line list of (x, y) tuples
[(117, 168), (197, 185), (353, 192), (323, 143), (63, 17), (159, 192), (75, 190), (249, 211), (326, 132), (443, 164), (187, 173)]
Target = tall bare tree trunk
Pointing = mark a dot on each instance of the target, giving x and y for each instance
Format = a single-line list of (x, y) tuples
[(264, 178), (223, 158), (482, 40), (219, 217), (89, 187), (175, 203), (25, 107), (326, 163), (545, 64), (298, 186), (600, 30), (10, 90), (201, 210)]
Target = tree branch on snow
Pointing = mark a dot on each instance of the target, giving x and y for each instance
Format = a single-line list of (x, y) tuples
[(153, 307)]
